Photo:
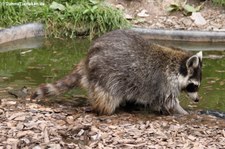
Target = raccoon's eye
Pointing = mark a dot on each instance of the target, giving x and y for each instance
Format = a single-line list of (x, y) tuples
[(192, 87)]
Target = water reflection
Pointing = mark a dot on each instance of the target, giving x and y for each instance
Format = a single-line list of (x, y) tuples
[(29, 43)]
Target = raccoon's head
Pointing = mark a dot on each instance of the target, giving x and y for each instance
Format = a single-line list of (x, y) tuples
[(191, 75)]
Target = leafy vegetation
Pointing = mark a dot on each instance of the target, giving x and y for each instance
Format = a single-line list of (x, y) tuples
[(64, 19), (184, 7), (220, 2)]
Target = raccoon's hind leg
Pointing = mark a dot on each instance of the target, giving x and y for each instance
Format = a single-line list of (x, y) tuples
[(102, 102)]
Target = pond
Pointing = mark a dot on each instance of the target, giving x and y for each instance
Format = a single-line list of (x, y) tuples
[(41, 60)]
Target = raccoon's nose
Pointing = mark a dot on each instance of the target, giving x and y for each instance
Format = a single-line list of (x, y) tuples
[(197, 99)]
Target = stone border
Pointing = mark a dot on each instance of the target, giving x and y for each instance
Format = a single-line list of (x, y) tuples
[(37, 29), (21, 32), (182, 35)]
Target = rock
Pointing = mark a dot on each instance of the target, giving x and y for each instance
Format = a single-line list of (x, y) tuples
[(186, 21), (19, 126), (198, 18), (96, 137), (119, 6), (69, 119), (143, 13), (128, 16)]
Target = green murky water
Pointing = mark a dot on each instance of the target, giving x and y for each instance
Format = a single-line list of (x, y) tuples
[(44, 60)]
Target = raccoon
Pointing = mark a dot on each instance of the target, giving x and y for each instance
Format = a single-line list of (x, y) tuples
[(122, 66)]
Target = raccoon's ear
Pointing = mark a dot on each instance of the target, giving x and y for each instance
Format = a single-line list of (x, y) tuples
[(192, 62), (199, 55)]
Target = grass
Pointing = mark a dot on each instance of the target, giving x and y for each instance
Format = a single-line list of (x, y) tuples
[(219, 2), (65, 19)]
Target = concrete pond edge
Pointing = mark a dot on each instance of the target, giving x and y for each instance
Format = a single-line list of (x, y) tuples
[(182, 35), (21, 32), (36, 30)]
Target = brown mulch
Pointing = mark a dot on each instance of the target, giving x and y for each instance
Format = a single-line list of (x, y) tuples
[(25, 124)]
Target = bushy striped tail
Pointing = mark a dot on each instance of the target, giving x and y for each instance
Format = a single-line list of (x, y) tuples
[(68, 82)]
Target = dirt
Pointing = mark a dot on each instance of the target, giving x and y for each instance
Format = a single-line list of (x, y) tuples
[(155, 15), (67, 124)]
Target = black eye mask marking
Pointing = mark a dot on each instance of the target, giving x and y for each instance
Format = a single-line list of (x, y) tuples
[(192, 88)]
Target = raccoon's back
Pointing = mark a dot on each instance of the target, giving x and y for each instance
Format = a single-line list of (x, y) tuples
[(127, 51)]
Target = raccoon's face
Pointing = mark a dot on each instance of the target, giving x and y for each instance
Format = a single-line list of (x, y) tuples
[(191, 79)]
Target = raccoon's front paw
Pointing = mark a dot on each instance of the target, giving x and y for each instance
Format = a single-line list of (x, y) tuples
[(179, 110), (183, 112)]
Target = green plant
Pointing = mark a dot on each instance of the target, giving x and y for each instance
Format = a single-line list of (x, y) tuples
[(219, 2), (66, 19), (90, 16), (185, 8)]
